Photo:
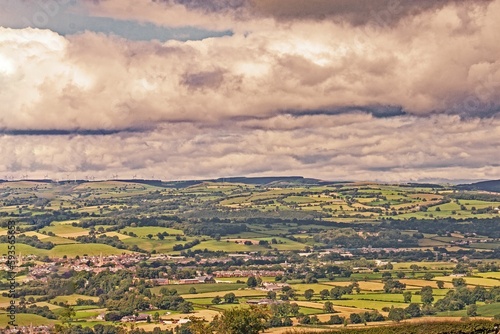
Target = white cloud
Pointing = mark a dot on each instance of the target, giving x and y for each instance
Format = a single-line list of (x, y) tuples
[(230, 105), (397, 149)]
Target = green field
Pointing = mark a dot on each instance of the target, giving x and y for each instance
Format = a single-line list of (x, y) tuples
[(65, 230), (183, 289), (89, 249), (488, 310), (26, 320), (71, 299), (161, 246), (154, 230), (486, 282), (368, 304), (227, 246)]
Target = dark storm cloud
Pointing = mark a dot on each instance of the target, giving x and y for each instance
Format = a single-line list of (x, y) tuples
[(357, 12), (69, 132), (200, 80), (374, 110), (210, 6)]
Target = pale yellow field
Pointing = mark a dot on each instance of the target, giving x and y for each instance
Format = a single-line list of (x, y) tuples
[(238, 293), (472, 280), (367, 286), (430, 265), (421, 283), (72, 235), (495, 275), (49, 305), (119, 235), (39, 235), (341, 309), (72, 299)]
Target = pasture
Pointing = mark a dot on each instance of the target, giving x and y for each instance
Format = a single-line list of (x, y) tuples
[(73, 250), (143, 232)]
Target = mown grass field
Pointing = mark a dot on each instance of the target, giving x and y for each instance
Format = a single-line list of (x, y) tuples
[(161, 246), (488, 310), (486, 282), (26, 320), (73, 250), (71, 299), (66, 231), (154, 230), (227, 246), (183, 289)]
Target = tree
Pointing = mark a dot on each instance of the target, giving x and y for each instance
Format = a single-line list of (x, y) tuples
[(407, 296), (393, 286), (199, 326), (428, 310), (156, 317), (396, 314), (287, 322), (458, 282), (428, 276), (413, 310), (308, 294), (229, 298), (336, 293), (251, 282), (324, 294), (440, 284), (355, 318), (217, 300), (271, 295), (242, 321), (185, 307), (67, 314), (192, 290), (328, 307), (426, 295), (259, 281), (472, 310), (336, 320)]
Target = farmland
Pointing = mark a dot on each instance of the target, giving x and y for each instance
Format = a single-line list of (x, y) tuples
[(363, 247)]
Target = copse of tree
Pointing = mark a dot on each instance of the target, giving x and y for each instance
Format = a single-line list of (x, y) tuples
[(242, 320), (187, 245), (212, 229), (252, 282), (466, 327), (32, 241)]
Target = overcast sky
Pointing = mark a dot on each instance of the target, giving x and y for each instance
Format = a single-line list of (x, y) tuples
[(180, 89)]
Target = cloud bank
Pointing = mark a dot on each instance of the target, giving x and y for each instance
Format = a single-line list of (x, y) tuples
[(339, 90)]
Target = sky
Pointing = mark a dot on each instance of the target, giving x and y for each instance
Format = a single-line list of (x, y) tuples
[(392, 91)]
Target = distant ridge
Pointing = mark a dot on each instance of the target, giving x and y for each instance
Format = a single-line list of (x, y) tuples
[(492, 186), (275, 180), (268, 180), (421, 185)]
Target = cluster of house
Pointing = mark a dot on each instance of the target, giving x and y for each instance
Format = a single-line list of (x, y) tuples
[(136, 318), (183, 260), (197, 280), (471, 241), (267, 286), (19, 260), (28, 330), (265, 301), (248, 273), (95, 264)]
